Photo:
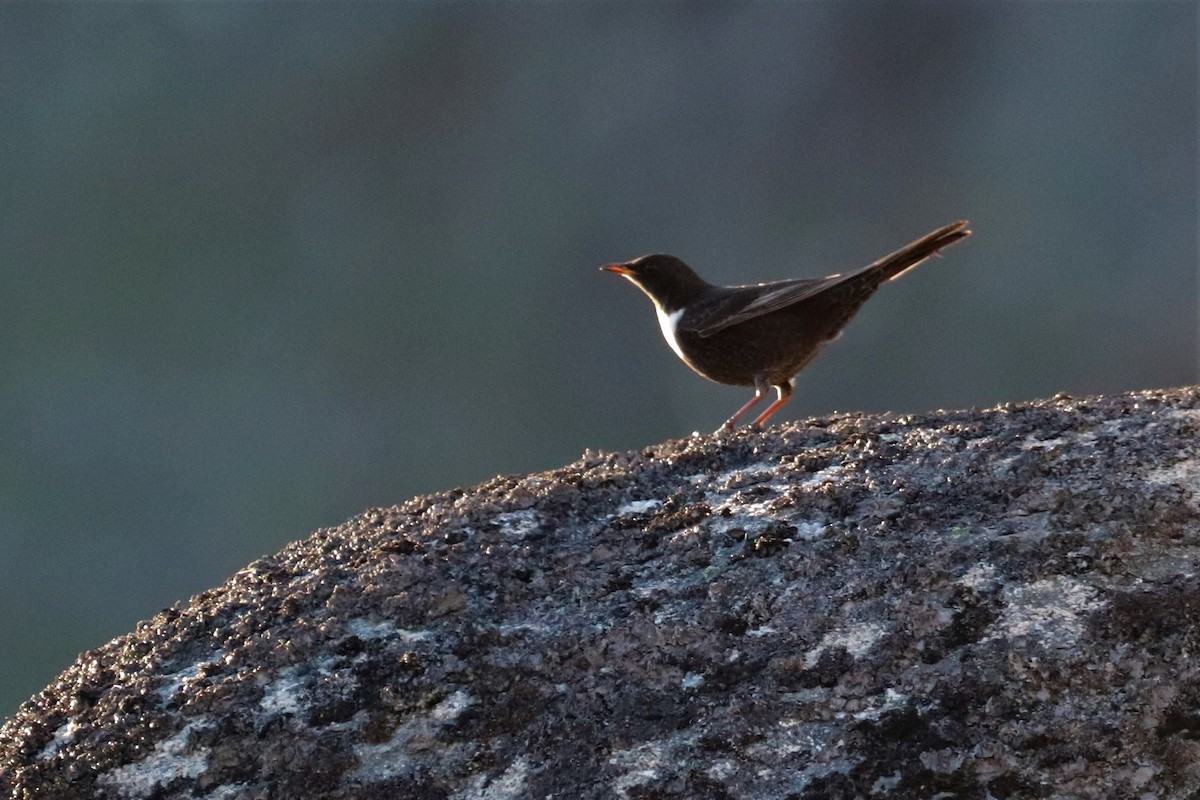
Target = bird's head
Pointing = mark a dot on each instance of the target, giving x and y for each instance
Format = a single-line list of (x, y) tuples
[(669, 282)]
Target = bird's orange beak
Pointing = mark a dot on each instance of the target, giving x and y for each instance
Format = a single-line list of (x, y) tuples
[(620, 269)]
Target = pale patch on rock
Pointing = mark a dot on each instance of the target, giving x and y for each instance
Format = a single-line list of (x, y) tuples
[(638, 507), (421, 733), (644, 762), (856, 639), (1185, 474), (980, 576), (1049, 610), (286, 695), (517, 523), (381, 629), (509, 784), (168, 761), (64, 735)]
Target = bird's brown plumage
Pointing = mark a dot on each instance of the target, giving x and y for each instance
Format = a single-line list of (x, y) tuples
[(762, 335)]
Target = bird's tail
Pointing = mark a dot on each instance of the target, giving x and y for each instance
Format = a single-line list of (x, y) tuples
[(907, 257)]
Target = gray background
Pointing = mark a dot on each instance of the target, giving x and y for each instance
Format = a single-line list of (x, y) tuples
[(264, 266)]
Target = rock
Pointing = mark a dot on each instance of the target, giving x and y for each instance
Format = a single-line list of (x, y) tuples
[(974, 604)]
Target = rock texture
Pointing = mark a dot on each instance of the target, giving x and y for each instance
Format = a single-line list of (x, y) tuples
[(975, 604)]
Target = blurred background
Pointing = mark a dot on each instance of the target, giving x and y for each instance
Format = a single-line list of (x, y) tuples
[(263, 266)]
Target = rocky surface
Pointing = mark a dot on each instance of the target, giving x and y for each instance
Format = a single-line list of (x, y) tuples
[(974, 604)]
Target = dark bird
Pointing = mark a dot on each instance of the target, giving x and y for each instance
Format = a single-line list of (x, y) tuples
[(762, 335)]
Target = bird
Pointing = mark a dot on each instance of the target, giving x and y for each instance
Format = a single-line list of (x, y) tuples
[(762, 335)]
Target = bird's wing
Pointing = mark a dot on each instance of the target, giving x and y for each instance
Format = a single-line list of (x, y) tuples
[(748, 302)]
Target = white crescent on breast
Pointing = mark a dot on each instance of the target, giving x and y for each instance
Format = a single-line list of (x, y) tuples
[(668, 323)]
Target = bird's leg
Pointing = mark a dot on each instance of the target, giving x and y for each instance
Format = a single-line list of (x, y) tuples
[(760, 391), (785, 394), (729, 423)]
